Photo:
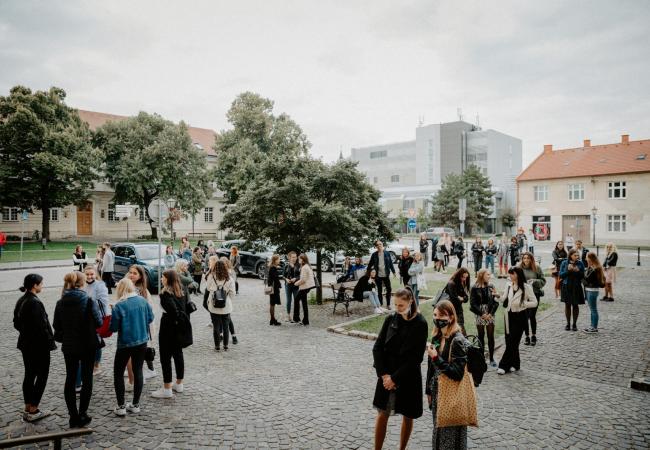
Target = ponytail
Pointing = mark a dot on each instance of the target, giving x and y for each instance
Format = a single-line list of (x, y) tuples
[(31, 280), (407, 293)]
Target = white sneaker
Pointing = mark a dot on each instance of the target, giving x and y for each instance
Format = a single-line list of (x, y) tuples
[(378, 311), (128, 387), (134, 409), (386, 311), (210, 324), (120, 410), (512, 369), (148, 373), (96, 371), (178, 387), (501, 372), (162, 393)]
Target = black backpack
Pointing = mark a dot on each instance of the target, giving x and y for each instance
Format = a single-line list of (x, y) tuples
[(475, 359), (219, 297)]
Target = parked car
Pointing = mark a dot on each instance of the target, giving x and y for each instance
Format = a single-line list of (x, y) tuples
[(146, 255), (437, 232), (254, 256)]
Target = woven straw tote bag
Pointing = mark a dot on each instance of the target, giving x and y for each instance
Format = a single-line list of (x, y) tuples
[(456, 401)]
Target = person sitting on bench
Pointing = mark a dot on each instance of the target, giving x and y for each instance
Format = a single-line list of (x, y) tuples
[(366, 288)]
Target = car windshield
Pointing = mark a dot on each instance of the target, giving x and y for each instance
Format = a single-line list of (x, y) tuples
[(148, 251)]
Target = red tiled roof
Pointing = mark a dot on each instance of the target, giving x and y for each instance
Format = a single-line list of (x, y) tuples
[(609, 159), (202, 136)]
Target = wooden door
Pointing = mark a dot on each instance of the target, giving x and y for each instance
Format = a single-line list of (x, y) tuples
[(85, 219), (578, 226)]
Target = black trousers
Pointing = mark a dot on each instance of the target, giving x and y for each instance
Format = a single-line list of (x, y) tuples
[(72, 362), (531, 319), (516, 325), (478, 262), (122, 355), (301, 299), (197, 280), (381, 282), (37, 369), (168, 350), (107, 278), (220, 327), (460, 262)]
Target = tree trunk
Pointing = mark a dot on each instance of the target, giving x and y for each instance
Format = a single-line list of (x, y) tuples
[(147, 201), (319, 277), (45, 220)]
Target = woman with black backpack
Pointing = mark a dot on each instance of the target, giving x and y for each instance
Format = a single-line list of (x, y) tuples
[(483, 304), (35, 342), (175, 333), (220, 290)]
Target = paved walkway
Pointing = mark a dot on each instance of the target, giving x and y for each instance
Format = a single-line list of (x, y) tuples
[(296, 387)]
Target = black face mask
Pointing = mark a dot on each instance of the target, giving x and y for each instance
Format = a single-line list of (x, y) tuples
[(441, 323)]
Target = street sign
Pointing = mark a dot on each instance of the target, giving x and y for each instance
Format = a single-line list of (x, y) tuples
[(462, 207), (158, 209), (123, 210), (412, 224)]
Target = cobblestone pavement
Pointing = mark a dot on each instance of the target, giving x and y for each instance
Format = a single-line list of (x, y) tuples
[(302, 387)]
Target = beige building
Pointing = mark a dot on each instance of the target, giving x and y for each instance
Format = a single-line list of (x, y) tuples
[(600, 190), (97, 217)]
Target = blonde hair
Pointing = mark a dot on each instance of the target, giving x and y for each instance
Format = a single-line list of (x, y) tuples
[(417, 256), (124, 287), (611, 247), (490, 241), (481, 276), (180, 263), (275, 260), (74, 280), (226, 262)]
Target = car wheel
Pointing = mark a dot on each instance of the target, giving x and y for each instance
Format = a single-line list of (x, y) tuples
[(325, 265), (260, 270)]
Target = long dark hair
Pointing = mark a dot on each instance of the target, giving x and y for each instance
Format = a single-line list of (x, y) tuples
[(31, 280), (592, 258), (142, 285), (457, 278), (173, 283), (521, 278)]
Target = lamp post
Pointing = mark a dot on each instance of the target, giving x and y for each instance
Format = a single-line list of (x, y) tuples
[(172, 204), (594, 210)]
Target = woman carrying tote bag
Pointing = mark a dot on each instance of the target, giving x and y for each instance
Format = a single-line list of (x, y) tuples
[(449, 387)]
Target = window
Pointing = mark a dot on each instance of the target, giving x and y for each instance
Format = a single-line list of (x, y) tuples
[(617, 189), (10, 214), (142, 214), (541, 193), (54, 214), (112, 217), (378, 154), (394, 178), (576, 192), (617, 223), (208, 214), (408, 204)]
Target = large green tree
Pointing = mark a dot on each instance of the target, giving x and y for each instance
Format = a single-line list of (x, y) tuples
[(148, 157), (471, 185), (299, 203), (46, 156)]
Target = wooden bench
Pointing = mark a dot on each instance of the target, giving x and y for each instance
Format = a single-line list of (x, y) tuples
[(342, 294)]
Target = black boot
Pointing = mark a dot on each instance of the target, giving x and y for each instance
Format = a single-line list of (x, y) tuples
[(527, 341)]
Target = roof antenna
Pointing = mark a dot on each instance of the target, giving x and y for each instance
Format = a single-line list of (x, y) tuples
[(478, 123), (459, 111), (420, 121)]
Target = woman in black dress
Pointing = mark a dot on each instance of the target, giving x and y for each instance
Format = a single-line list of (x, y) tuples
[(398, 354), (274, 282), (458, 290), (559, 255), (572, 272)]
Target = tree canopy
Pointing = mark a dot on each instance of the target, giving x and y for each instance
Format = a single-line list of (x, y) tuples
[(46, 156), (147, 157), (471, 185)]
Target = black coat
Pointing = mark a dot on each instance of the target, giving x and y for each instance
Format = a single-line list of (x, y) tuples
[(174, 328), (274, 280), (611, 260), (291, 273), (398, 352), (454, 369), (455, 292), (30, 319), (477, 250), (364, 284), (403, 265), (75, 325), (482, 296), (388, 263)]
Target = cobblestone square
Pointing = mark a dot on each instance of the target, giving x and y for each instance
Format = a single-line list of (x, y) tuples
[(306, 388)]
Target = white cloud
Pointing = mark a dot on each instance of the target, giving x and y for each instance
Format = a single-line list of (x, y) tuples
[(351, 73)]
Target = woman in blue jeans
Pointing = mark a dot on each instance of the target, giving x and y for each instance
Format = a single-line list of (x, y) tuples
[(594, 281)]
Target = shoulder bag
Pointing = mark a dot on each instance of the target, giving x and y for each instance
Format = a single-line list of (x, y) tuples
[(456, 400), (104, 330)]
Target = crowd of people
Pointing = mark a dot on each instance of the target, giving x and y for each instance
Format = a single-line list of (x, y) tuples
[(85, 316)]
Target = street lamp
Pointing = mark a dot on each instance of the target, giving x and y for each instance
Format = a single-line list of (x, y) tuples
[(171, 203), (594, 210)]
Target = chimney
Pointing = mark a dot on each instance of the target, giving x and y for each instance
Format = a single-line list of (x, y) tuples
[(625, 138), (586, 143), (548, 148)]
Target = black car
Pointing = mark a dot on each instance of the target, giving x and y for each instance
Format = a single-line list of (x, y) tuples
[(146, 255), (254, 257)]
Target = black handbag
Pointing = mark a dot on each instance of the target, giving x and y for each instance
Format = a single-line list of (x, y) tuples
[(149, 354)]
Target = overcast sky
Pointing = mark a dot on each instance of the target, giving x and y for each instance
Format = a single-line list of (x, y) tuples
[(351, 73)]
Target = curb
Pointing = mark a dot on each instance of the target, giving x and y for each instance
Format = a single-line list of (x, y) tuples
[(5, 269)]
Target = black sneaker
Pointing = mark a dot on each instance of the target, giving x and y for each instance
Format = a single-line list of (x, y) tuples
[(84, 419), (217, 349), (533, 341), (225, 349), (527, 341), (575, 328), (590, 330), (568, 327), (234, 340)]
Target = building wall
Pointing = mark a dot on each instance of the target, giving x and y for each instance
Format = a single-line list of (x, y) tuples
[(635, 207), (427, 155), (399, 160), (452, 147)]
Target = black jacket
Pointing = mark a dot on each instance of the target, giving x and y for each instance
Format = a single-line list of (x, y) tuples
[(398, 352), (491, 250), (172, 321), (291, 272), (477, 250), (459, 249), (455, 292), (454, 369), (424, 245), (559, 256), (592, 280), (403, 265), (364, 284), (274, 279), (388, 263), (75, 325), (482, 296), (611, 260), (31, 321)]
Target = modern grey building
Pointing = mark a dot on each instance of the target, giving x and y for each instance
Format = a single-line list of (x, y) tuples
[(409, 173)]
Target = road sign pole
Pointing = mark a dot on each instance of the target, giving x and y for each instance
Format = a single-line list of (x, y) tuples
[(22, 235), (159, 240)]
